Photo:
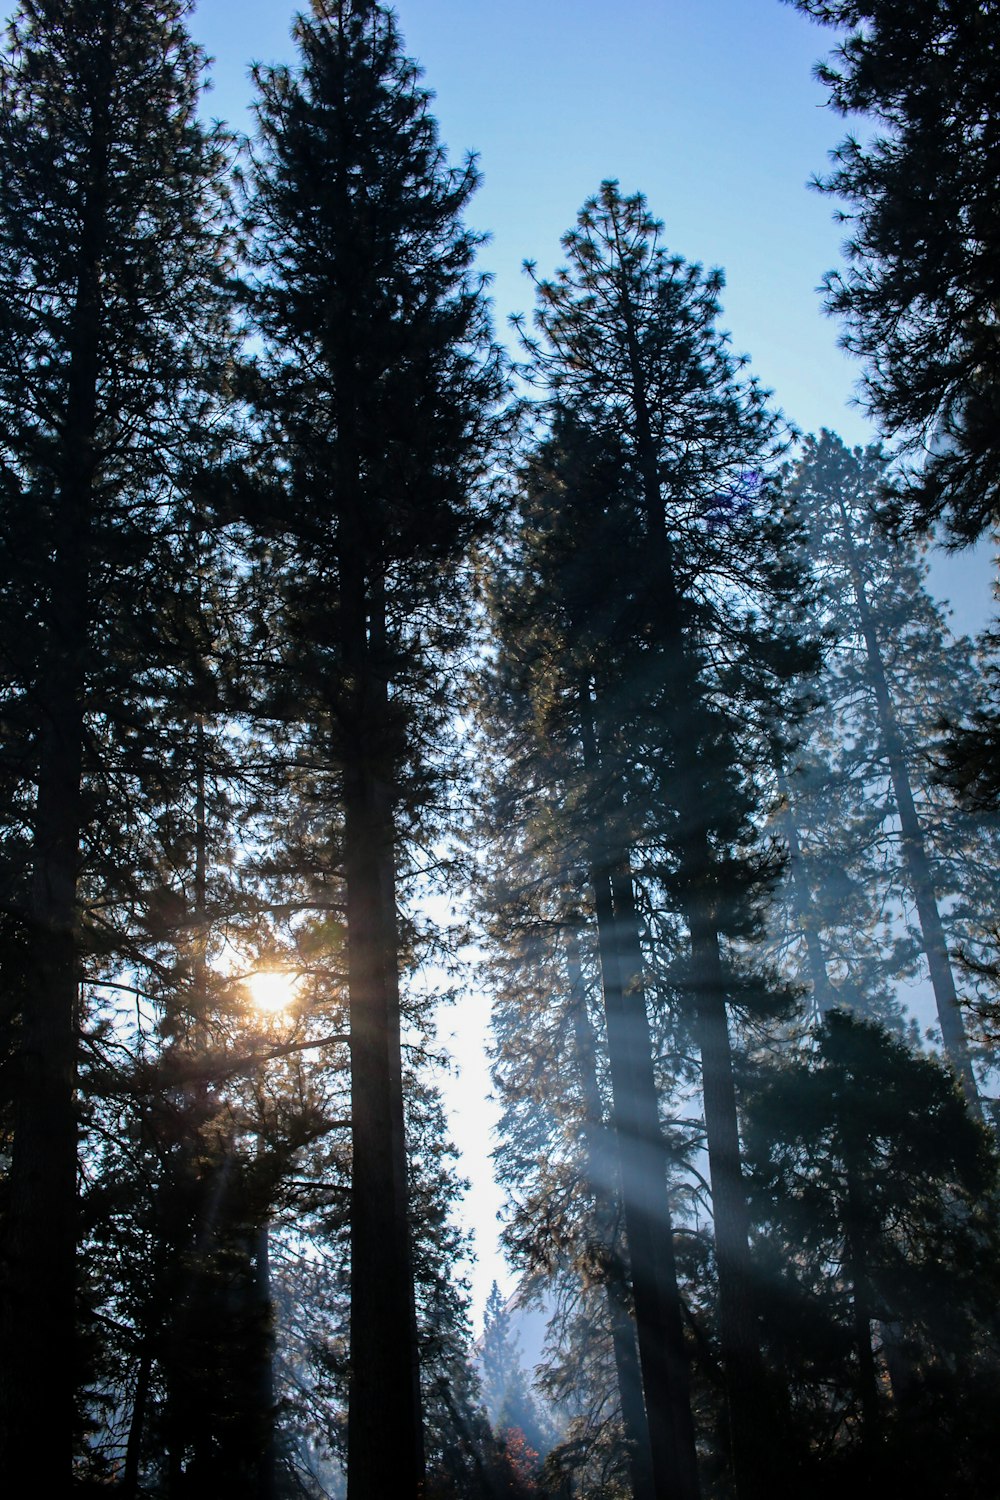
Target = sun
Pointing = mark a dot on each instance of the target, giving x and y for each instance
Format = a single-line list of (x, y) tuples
[(272, 990)]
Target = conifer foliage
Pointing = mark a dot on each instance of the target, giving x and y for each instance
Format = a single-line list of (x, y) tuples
[(648, 536), (376, 386), (920, 291), (250, 522), (110, 268), (861, 1156), (893, 675)]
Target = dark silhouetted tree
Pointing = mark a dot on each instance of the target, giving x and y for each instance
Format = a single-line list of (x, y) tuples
[(920, 291), (376, 385), (872, 1194), (111, 264)]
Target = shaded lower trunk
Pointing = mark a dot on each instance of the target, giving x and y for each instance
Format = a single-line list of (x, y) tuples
[(385, 1444), (645, 1201), (267, 1462), (857, 1224), (39, 1337), (605, 1180), (867, 1369), (629, 1375), (137, 1423), (738, 1333)]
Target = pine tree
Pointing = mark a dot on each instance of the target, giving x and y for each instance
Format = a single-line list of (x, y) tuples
[(644, 535), (376, 387), (871, 1186), (535, 697), (505, 1385), (920, 290), (893, 674), (111, 269)]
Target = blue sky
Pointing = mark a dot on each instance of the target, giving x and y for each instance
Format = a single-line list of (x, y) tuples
[(706, 106)]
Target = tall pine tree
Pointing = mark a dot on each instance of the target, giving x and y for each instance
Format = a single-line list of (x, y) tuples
[(645, 536), (893, 674), (110, 276), (920, 290), (376, 386)]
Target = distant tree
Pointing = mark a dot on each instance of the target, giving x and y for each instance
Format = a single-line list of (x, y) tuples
[(375, 388), (893, 674), (506, 1393)]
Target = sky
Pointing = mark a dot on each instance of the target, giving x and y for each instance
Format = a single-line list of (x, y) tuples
[(708, 107)]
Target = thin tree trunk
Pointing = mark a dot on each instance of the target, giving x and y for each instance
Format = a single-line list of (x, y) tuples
[(738, 1334), (825, 996), (267, 1464), (918, 864), (856, 1269), (629, 1376), (137, 1423)]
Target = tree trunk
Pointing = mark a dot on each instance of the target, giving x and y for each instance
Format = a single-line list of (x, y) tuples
[(642, 1157), (605, 1179), (648, 1226), (824, 995), (918, 865), (385, 1440), (41, 1371), (629, 1375), (40, 1351), (137, 1423), (738, 1335), (267, 1461), (856, 1270)]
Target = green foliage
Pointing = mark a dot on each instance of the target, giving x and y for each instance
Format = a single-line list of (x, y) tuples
[(920, 291), (378, 382), (873, 1197)]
